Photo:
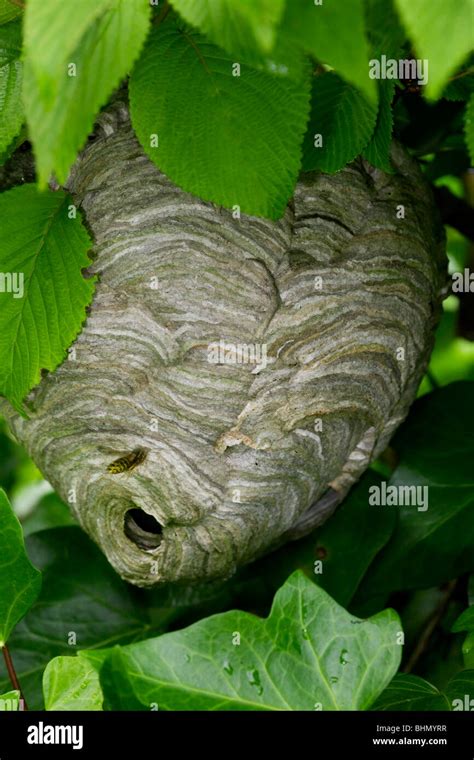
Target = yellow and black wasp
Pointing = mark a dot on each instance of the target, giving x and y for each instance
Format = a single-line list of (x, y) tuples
[(128, 462)]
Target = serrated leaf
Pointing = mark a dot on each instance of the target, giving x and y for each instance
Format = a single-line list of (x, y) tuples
[(334, 34), (61, 112), (71, 683), (83, 604), (11, 80), (377, 152), (436, 449), (21, 582), (10, 701), (407, 693), (308, 654), (8, 11), (43, 302), (234, 25), (239, 139), (344, 120), (442, 33), (469, 127)]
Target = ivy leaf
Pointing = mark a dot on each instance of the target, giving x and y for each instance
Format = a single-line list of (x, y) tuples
[(10, 701), (11, 78), (83, 605), (239, 137), (377, 152), (469, 127), (436, 449), (460, 691), (71, 683), (308, 654), (43, 305), (407, 693), (69, 78), (21, 582), (340, 125), (234, 25), (442, 33), (334, 34)]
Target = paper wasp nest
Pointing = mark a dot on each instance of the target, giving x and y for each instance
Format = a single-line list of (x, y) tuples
[(250, 366)]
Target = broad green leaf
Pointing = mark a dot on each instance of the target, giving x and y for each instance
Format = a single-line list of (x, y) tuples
[(10, 701), (234, 25), (61, 118), (21, 582), (340, 125), (469, 127), (377, 152), (8, 11), (308, 654), (333, 32), (11, 78), (436, 449), (239, 137), (460, 691), (442, 33), (71, 683), (44, 300), (468, 650), (83, 604), (407, 693)]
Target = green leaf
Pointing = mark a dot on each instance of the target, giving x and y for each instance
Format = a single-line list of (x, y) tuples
[(234, 25), (308, 654), (436, 448), (469, 127), (344, 120), (377, 152), (44, 251), (8, 11), (460, 691), (465, 622), (334, 34), (239, 137), (21, 582), (10, 701), (83, 604), (443, 33), (61, 102), (11, 78), (407, 693), (71, 683)]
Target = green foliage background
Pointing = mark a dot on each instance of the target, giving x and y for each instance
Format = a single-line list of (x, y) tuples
[(373, 610)]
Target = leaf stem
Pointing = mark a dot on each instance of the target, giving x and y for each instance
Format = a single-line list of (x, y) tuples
[(12, 674)]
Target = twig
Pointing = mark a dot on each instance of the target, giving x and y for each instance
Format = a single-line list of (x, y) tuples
[(12, 674), (18, 4), (431, 626)]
